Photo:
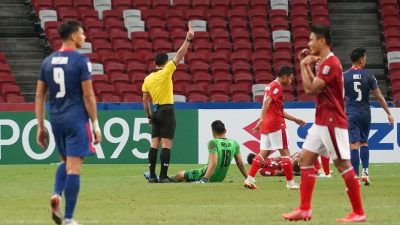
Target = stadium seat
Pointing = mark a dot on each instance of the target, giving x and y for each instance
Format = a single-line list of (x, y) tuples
[(119, 78), (155, 25), (194, 14), (137, 79), (83, 5), (40, 5), (114, 25), (203, 47), (201, 4), (15, 99), (244, 78), (121, 4), (281, 36), (393, 57), (99, 79), (142, 47), (262, 77), (217, 56), (176, 25), (259, 4), (237, 14), (86, 48), (114, 68), (219, 98), (181, 4), (161, 4), (216, 13), (239, 89), (214, 89), (102, 47), (10, 89), (258, 24), (223, 78), (134, 26), (258, 89), (179, 98), (135, 67), (196, 57), (198, 25), (258, 13), (192, 89), (219, 68), (181, 78), (110, 98), (240, 4), (97, 68), (131, 98), (223, 47), (239, 57), (101, 5), (279, 5), (141, 4), (197, 98), (47, 15), (241, 67), (126, 88), (132, 57), (179, 90), (68, 14), (220, 5), (196, 67), (240, 98), (202, 78), (5, 68), (278, 20)]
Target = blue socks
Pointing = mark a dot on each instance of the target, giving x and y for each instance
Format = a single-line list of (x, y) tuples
[(61, 175), (355, 160), (364, 156), (72, 185)]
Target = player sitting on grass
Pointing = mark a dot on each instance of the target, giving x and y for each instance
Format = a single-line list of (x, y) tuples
[(221, 152)]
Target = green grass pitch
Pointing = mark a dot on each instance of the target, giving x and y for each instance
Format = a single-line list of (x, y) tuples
[(118, 194)]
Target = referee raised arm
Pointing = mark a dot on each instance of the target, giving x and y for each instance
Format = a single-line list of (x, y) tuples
[(158, 94)]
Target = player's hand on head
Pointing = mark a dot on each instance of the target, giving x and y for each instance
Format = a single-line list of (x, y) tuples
[(304, 53), (190, 33), (391, 119), (42, 137)]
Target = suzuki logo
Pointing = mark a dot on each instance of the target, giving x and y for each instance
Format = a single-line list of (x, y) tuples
[(253, 145)]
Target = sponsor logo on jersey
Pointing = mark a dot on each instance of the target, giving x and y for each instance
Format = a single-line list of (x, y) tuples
[(325, 70)]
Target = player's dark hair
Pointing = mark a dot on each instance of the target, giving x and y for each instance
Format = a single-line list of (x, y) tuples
[(284, 71), (218, 127), (357, 54), (161, 59), (67, 28), (250, 158), (322, 31)]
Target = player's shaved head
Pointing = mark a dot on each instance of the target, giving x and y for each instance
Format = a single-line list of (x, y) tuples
[(161, 59), (218, 127), (322, 31), (357, 54), (284, 71), (67, 28)]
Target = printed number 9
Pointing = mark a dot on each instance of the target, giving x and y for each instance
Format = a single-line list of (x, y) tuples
[(358, 90), (58, 76)]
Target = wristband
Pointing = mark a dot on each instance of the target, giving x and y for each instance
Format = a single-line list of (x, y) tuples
[(96, 126), (189, 40), (204, 179)]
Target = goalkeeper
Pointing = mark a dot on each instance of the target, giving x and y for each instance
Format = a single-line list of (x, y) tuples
[(221, 151)]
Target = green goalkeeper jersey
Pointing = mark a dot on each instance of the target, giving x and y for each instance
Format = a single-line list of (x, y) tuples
[(226, 149)]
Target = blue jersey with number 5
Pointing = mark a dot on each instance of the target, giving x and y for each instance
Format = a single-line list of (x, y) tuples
[(63, 72), (358, 84)]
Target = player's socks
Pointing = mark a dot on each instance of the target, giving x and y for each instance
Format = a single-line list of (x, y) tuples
[(325, 165), (364, 156), (316, 165), (152, 162), (307, 184), (164, 158), (353, 190), (355, 160), (256, 165), (287, 167), (61, 175), (72, 185)]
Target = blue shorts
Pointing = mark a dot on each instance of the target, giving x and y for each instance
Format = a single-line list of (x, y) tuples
[(359, 127), (73, 138)]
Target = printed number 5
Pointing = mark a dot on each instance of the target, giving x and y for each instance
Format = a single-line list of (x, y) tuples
[(58, 76), (358, 90)]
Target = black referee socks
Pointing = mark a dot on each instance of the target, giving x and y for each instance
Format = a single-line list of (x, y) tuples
[(152, 162), (164, 158)]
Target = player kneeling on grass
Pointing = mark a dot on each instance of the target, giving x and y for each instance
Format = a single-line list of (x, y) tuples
[(221, 152)]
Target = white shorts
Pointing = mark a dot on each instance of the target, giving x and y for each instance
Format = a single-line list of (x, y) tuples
[(323, 140), (274, 141)]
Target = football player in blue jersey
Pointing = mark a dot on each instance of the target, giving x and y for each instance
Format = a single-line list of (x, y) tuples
[(358, 84), (65, 76)]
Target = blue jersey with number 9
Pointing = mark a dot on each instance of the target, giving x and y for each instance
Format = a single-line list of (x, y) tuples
[(63, 72)]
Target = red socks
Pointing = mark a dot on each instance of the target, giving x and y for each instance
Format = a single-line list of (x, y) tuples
[(256, 165), (316, 165), (325, 165), (306, 187), (287, 167), (353, 190)]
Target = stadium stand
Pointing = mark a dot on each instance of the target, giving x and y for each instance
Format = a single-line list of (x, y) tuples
[(237, 43)]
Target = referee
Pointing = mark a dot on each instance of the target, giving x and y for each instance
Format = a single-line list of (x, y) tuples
[(158, 94)]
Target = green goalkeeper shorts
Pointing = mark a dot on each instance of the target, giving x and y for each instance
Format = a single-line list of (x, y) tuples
[(195, 174)]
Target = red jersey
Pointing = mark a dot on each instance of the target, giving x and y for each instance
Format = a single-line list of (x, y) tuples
[(270, 167), (330, 101), (274, 120)]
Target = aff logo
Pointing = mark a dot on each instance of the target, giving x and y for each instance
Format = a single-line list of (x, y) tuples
[(375, 142)]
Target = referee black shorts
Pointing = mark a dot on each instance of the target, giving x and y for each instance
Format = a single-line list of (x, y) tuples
[(163, 122)]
